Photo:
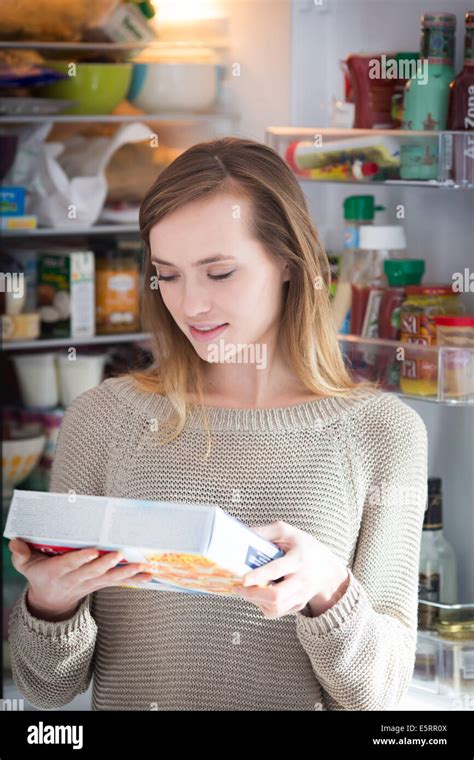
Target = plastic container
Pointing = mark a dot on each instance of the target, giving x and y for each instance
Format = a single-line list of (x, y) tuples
[(456, 361), (37, 378), (444, 663), (78, 375), (455, 331)]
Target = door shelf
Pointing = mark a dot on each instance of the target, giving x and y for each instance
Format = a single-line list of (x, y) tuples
[(444, 667), (442, 374), (372, 156)]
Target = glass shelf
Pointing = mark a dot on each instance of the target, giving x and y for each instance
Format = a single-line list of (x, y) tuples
[(441, 374), (349, 156), (158, 45), (444, 666), (178, 117), (93, 340), (97, 229)]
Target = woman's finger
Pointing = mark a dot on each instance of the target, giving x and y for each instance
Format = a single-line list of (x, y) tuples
[(276, 568), (94, 567), (113, 578)]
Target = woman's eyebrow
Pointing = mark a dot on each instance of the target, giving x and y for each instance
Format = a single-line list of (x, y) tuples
[(208, 260)]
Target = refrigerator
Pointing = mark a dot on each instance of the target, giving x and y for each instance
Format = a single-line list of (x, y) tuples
[(282, 80)]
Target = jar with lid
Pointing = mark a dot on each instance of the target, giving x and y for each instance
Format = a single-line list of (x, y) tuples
[(400, 273), (117, 291), (419, 372), (457, 654), (456, 364)]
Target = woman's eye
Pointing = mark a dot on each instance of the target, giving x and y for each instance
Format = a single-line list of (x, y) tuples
[(221, 276), (170, 278)]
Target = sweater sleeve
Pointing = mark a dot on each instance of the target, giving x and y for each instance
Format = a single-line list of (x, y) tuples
[(362, 650), (52, 662)]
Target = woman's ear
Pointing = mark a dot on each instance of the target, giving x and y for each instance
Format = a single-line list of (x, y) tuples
[(286, 273)]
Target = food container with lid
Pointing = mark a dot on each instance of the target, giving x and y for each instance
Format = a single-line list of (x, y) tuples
[(455, 336), (419, 372)]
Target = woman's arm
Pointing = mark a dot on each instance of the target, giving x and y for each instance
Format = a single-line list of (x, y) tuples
[(362, 649), (52, 661)]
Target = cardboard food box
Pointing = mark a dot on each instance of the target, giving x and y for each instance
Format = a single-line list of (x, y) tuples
[(66, 293), (192, 548)]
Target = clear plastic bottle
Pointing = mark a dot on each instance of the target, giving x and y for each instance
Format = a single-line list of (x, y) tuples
[(359, 210)]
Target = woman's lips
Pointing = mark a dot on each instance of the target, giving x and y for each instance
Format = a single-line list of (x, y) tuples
[(206, 335)]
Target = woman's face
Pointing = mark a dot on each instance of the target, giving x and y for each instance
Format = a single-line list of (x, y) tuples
[(212, 273)]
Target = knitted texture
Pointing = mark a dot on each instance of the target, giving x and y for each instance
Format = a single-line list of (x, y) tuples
[(351, 472)]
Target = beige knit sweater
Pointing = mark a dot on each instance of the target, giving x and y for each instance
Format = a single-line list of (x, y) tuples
[(350, 472)]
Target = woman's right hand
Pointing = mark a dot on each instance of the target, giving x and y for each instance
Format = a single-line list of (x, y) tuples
[(58, 584)]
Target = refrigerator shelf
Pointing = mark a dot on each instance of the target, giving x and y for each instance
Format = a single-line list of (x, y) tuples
[(372, 156), (437, 373), (444, 666)]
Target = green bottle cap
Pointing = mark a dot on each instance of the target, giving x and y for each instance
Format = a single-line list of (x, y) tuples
[(402, 272), (360, 208), (407, 56), (146, 8)]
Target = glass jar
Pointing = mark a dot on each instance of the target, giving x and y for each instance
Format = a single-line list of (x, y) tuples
[(419, 374), (117, 291), (457, 360), (458, 654)]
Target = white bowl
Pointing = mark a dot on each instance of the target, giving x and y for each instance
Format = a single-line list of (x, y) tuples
[(158, 87), (19, 457)]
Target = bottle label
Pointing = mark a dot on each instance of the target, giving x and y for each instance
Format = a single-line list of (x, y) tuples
[(437, 44), (428, 590), (351, 236)]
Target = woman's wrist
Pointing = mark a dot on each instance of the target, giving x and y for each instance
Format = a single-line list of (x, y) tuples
[(325, 600), (44, 613)]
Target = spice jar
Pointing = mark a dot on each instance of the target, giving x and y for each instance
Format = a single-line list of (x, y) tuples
[(458, 654), (419, 373), (117, 291), (457, 361), (400, 273)]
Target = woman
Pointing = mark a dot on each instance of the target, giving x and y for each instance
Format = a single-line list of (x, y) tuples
[(333, 473)]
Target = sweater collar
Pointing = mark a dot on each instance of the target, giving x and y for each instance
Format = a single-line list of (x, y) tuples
[(307, 414)]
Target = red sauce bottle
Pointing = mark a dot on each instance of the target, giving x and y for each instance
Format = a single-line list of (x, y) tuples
[(461, 108)]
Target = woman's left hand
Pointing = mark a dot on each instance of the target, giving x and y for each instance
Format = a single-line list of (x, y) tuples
[(311, 574)]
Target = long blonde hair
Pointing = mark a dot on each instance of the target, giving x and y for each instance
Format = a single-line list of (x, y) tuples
[(281, 222)]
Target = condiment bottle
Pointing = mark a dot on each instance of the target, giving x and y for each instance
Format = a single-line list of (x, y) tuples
[(461, 109), (376, 245), (425, 103), (399, 273), (359, 210), (117, 291)]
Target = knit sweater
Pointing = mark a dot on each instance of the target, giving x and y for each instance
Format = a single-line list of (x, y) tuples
[(350, 472)]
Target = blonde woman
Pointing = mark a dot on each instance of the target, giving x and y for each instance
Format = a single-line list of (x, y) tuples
[(279, 437)]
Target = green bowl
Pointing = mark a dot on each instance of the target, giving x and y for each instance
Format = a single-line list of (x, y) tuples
[(97, 87)]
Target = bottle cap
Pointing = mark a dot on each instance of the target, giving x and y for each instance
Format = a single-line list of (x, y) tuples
[(382, 237), (360, 208), (404, 271)]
